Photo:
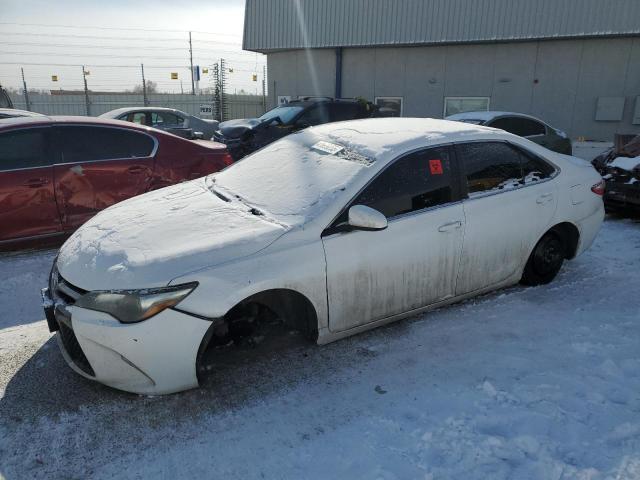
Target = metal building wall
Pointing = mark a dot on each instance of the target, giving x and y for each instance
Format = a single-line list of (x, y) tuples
[(293, 24), (558, 81)]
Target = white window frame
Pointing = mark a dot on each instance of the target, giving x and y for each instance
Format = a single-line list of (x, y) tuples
[(446, 99), (375, 100)]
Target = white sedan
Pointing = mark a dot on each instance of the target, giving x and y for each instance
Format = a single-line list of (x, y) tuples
[(335, 230)]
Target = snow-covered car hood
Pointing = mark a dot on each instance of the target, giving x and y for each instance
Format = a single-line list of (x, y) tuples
[(149, 240), (237, 128)]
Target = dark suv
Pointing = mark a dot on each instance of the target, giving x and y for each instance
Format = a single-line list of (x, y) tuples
[(245, 136)]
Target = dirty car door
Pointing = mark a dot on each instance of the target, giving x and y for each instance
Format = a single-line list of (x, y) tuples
[(100, 166), (27, 203), (413, 262), (510, 205)]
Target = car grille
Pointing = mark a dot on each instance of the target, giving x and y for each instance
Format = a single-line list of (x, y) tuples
[(65, 293), (73, 349)]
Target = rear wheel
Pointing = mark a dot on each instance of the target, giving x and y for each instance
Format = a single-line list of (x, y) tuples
[(545, 260)]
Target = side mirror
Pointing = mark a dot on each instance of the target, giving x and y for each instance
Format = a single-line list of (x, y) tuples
[(198, 135), (366, 218)]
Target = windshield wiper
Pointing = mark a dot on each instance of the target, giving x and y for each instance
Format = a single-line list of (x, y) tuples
[(220, 195)]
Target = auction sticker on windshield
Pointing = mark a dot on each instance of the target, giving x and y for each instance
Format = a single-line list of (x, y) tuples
[(327, 147)]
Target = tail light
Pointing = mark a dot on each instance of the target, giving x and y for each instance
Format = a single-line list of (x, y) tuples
[(227, 158), (598, 188)]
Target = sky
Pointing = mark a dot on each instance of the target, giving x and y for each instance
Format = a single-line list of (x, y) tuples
[(113, 37)]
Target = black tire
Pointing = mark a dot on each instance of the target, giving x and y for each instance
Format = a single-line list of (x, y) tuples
[(545, 261)]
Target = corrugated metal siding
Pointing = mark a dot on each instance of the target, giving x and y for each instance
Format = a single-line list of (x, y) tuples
[(277, 24)]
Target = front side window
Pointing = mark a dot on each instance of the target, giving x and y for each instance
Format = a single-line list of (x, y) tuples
[(138, 117), (24, 149), (344, 111), (89, 143), (316, 115), (498, 166), (417, 181)]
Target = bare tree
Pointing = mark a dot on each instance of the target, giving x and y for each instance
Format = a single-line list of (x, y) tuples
[(152, 87)]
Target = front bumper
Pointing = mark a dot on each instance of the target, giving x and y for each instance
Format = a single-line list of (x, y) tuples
[(156, 356)]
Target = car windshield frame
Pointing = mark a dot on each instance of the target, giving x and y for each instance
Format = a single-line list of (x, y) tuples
[(286, 113)]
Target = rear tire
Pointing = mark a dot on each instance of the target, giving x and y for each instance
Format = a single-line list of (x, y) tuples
[(545, 261)]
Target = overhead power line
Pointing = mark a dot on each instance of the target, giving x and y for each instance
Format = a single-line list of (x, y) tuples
[(101, 37), (138, 29)]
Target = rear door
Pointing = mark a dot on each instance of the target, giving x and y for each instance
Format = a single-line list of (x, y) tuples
[(509, 206), (100, 166), (27, 202)]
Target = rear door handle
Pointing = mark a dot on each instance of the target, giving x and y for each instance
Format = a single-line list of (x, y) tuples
[(544, 198), (447, 227), (35, 182), (135, 169)]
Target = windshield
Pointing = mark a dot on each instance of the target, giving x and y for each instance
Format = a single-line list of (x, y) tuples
[(293, 179), (286, 114)]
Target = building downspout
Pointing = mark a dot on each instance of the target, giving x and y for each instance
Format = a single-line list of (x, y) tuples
[(338, 72)]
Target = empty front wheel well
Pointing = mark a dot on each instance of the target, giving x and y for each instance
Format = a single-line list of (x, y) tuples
[(570, 235)]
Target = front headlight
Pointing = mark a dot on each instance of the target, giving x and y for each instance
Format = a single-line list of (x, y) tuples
[(130, 306)]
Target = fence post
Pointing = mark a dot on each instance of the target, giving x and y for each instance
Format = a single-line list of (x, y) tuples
[(145, 100), (264, 88), (26, 93), (86, 92)]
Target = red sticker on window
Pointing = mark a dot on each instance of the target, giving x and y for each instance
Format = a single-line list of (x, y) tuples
[(436, 167)]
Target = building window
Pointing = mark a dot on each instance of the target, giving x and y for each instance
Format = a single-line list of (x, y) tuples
[(390, 106), (453, 105)]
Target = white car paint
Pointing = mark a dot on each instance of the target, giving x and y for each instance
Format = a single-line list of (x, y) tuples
[(258, 226)]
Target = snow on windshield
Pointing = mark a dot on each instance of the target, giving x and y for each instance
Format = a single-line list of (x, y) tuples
[(295, 178)]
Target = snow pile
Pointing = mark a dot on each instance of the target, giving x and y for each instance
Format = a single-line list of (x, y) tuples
[(526, 383), (625, 163)]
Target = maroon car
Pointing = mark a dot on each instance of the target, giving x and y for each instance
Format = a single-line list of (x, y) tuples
[(57, 172)]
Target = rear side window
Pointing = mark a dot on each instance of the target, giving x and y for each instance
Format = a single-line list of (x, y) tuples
[(498, 166), (89, 143), (345, 111), (315, 115), (166, 119), (26, 148), (523, 127), (415, 182)]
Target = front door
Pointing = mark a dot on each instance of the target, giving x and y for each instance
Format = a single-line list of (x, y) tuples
[(510, 205), (100, 166), (372, 275), (27, 202)]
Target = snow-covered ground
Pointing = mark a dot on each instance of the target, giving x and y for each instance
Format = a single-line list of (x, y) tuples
[(526, 383)]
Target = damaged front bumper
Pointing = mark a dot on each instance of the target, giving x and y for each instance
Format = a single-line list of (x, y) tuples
[(155, 356)]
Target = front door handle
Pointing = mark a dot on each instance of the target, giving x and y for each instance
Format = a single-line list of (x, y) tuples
[(447, 227), (544, 198)]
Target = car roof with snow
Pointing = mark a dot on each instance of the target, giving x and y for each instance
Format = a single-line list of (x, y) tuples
[(120, 111), (487, 116), (385, 138)]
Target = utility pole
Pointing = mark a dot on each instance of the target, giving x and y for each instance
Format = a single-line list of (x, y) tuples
[(145, 100), (26, 94), (86, 91), (193, 86)]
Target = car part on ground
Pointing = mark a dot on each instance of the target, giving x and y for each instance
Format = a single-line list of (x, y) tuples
[(57, 172), (244, 136), (167, 119), (522, 125), (361, 223), (620, 168)]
